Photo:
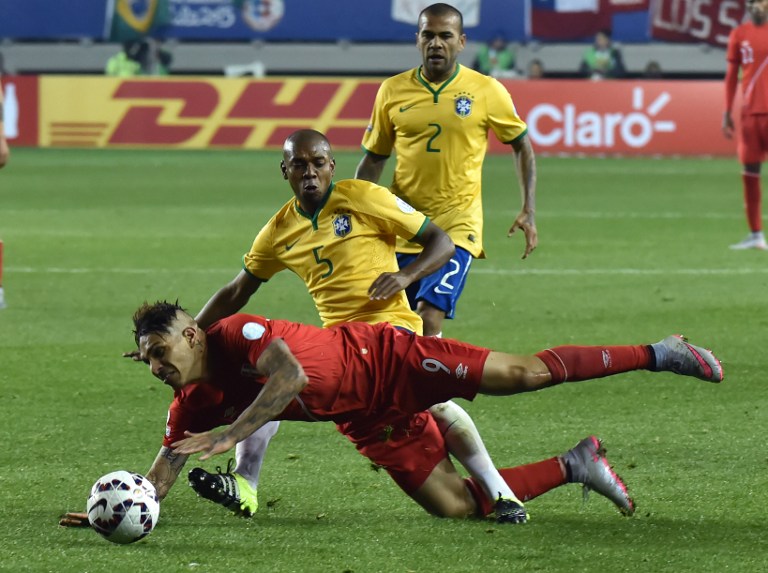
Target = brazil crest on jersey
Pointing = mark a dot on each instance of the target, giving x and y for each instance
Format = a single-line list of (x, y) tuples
[(440, 135), (340, 250)]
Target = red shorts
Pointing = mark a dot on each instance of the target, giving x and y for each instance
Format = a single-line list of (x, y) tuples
[(753, 138), (403, 437), (408, 447), (429, 371)]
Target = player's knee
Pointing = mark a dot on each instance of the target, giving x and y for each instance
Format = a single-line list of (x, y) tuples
[(444, 415)]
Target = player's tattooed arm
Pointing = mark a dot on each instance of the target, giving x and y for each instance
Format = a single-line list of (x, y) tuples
[(286, 379), (165, 469)]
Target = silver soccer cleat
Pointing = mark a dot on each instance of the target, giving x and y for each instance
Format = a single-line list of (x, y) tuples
[(590, 467), (680, 357)]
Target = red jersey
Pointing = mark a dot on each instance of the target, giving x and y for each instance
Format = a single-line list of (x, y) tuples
[(748, 49), (357, 373)]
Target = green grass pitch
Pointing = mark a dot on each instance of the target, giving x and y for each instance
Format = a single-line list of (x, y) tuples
[(631, 250)]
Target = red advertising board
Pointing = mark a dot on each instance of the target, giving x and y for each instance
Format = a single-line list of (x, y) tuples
[(580, 117), (623, 117), (705, 21)]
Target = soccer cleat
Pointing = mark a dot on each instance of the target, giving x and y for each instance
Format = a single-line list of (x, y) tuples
[(509, 511), (751, 242), (588, 465), (225, 488), (675, 354)]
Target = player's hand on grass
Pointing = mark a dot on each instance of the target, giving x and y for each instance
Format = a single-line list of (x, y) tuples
[(526, 222), (210, 443), (74, 519), (134, 355), (386, 285)]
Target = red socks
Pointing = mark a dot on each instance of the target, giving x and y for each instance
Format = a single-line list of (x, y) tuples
[(528, 481), (752, 203), (574, 363)]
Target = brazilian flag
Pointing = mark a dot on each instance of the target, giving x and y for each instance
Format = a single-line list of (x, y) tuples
[(137, 19)]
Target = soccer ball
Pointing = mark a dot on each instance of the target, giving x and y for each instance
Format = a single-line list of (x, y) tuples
[(123, 507)]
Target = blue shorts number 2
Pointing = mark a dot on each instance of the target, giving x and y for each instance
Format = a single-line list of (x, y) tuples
[(442, 288)]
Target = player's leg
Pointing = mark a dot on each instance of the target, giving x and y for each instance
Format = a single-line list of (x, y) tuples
[(751, 146), (432, 318), (444, 493), (249, 454), (236, 488), (436, 297), (505, 374), (415, 457), (465, 444), (585, 463), (413, 452)]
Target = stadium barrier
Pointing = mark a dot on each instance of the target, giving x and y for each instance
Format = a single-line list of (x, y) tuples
[(564, 116)]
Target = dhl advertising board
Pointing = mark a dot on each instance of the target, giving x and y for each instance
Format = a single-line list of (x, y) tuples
[(577, 117)]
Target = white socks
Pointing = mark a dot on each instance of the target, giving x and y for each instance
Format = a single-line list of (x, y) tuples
[(249, 453), (466, 445)]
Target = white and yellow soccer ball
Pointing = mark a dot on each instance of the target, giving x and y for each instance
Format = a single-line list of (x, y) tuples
[(123, 507)]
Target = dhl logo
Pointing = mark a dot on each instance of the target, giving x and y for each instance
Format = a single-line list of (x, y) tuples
[(191, 113)]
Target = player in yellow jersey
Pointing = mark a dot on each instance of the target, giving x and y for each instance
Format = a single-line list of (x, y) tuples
[(436, 117)]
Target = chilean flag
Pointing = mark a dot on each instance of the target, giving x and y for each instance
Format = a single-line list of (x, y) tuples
[(563, 20)]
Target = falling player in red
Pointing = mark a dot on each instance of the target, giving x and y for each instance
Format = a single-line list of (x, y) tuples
[(374, 381), (748, 52)]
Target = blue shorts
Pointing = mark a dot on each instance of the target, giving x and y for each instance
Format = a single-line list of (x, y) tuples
[(442, 288)]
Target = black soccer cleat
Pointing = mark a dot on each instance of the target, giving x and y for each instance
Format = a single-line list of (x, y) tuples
[(509, 511), (225, 488)]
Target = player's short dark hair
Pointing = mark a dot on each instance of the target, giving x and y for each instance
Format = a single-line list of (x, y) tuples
[(154, 318), (442, 9)]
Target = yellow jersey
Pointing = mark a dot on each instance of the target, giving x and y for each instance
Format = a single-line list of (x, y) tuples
[(440, 136), (341, 250)]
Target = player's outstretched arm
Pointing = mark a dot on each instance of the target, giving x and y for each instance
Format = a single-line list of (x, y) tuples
[(525, 161), (371, 167), (438, 250), (286, 379), (228, 299)]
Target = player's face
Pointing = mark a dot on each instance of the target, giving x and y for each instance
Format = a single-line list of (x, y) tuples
[(172, 357), (308, 167), (440, 42), (758, 10)]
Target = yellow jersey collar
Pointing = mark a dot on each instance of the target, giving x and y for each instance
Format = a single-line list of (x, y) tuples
[(435, 93)]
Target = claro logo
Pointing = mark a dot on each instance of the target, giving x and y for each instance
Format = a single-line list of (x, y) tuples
[(550, 125)]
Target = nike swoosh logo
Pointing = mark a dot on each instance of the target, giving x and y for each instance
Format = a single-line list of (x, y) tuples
[(289, 247), (406, 107)]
